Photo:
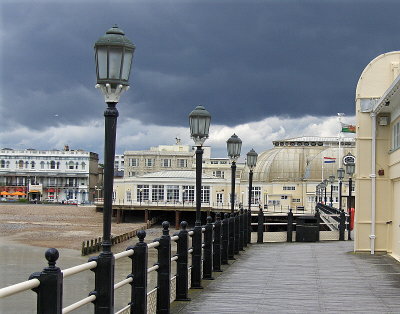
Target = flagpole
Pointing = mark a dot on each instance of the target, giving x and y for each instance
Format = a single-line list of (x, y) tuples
[(340, 115), (322, 161)]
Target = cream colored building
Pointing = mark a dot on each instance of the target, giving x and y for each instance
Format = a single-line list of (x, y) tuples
[(285, 176), (378, 163)]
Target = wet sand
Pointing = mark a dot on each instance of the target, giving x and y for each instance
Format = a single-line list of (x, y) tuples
[(59, 226)]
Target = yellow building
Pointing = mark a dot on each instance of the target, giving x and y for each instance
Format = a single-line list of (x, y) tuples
[(378, 156)]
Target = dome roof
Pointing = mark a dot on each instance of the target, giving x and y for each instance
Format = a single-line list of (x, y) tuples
[(291, 164)]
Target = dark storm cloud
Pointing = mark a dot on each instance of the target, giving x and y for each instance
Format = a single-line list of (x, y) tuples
[(243, 60)]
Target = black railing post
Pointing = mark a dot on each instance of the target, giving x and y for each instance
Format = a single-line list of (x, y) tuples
[(182, 284), (342, 225), (217, 244), (250, 228), (139, 274), (164, 271), (245, 228), (225, 240), (260, 227), (317, 216), (237, 233), (196, 258), (231, 243), (241, 229), (290, 226), (49, 293), (208, 252)]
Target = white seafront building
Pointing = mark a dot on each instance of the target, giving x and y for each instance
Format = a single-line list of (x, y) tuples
[(48, 175)]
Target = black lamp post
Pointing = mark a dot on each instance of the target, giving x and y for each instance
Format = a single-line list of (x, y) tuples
[(350, 169), (325, 186), (251, 163), (331, 180), (340, 175), (234, 145), (199, 121), (113, 53)]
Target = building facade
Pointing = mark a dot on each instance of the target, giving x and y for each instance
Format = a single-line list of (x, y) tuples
[(378, 164), (48, 175), (285, 177)]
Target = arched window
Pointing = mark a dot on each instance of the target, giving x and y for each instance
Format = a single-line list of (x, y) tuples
[(21, 164), (71, 165), (32, 165), (58, 165), (52, 164), (83, 166), (42, 165), (2, 163)]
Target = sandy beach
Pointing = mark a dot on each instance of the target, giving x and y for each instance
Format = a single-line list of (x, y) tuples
[(59, 226)]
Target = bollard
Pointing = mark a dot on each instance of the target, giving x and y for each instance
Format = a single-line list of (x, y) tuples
[(317, 215), (225, 240), (342, 225), (49, 293), (208, 252), (260, 227), (249, 227), (182, 283), (139, 273), (164, 270), (241, 229), (245, 228), (289, 226), (217, 248), (231, 243)]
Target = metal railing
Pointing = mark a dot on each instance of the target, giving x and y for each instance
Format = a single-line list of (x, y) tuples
[(213, 248)]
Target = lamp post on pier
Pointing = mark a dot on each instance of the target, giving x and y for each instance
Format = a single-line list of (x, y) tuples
[(251, 163), (350, 169), (199, 121), (331, 180), (340, 175), (234, 145), (325, 186), (113, 54)]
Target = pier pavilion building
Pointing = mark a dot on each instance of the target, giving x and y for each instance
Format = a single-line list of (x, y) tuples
[(285, 177), (48, 175), (377, 101)]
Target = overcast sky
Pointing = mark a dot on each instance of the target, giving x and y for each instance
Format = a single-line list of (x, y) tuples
[(265, 70)]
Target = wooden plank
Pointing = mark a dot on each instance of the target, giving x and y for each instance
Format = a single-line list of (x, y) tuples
[(301, 278)]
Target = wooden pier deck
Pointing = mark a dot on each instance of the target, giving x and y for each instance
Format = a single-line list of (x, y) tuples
[(325, 277)]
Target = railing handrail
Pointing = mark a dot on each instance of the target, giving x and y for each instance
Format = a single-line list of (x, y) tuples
[(19, 287), (78, 269)]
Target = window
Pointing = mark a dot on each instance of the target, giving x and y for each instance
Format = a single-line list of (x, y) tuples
[(2, 163), (71, 165), (224, 162), (220, 198), (128, 196), (131, 173), (188, 193), (32, 165), (42, 165), (142, 193), (133, 162), (311, 199), (256, 195), (214, 162), (283, 197), (52, 164), (205, 194), (157, 193), (83, 165), (274, 203), (172, 193), (182, 163), (289, 188), (21, 164), (149, 162), (219, 174), (296, 200), (166, 163), (396, 136), (114, 195), (52, 181), (335, 188)]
